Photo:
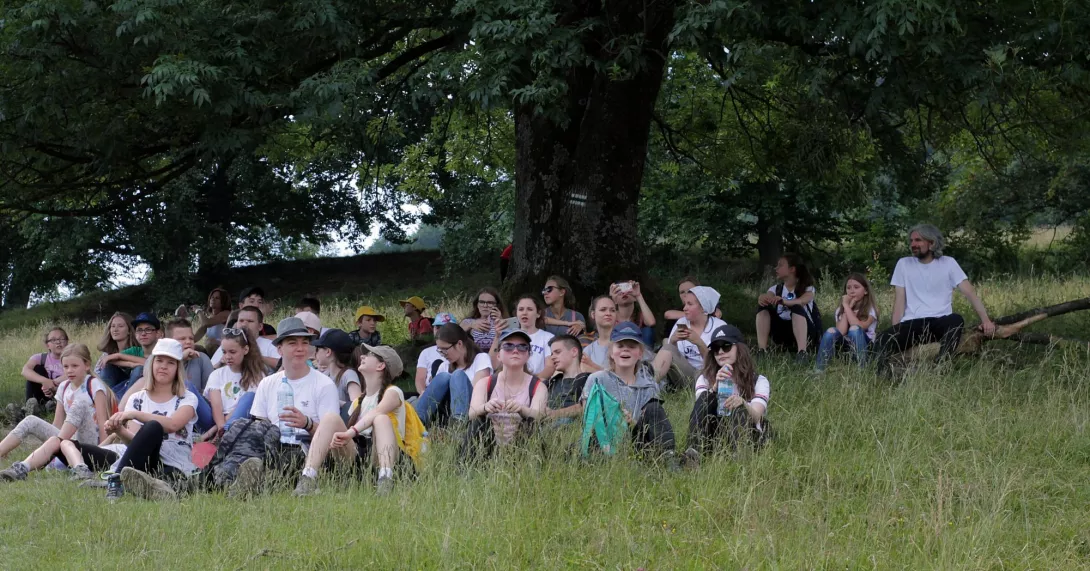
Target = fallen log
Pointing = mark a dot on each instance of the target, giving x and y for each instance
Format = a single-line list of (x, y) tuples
[(1010, 326)]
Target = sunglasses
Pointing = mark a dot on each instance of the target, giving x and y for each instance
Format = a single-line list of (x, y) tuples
[(520, 347), (235, 332), (721, 347), (548, 290)]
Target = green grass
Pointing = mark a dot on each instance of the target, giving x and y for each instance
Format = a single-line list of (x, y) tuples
[(981, 464)]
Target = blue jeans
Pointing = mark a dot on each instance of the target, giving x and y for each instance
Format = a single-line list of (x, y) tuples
[(242, 409), (455, 387), (856, 338), (125, 379), (204, 409)]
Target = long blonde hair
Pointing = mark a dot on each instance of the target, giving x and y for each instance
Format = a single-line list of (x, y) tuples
[(107, 344), (177, 386)]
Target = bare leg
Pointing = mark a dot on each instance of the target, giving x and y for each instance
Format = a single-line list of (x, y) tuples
[(386, 450), (322, 443), (40, 457), (72, 456), (764, 329), (799, 327)]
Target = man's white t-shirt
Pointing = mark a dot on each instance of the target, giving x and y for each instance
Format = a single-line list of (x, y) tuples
[(929, 288), (264, 345), (539, 349), (789, 294), (427, 357), (315, 396), (689, 350), (227, 383)]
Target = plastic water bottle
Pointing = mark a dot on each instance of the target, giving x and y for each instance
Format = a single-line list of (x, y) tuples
[(424, 444), (725, 391), (285, 397)]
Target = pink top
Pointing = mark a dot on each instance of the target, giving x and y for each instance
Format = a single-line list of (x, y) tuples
[(522, 396)]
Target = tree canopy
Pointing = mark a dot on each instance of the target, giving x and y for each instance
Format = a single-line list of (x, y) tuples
[(191, 134)]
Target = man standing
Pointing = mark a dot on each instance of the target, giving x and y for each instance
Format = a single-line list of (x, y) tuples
[(923, 309)]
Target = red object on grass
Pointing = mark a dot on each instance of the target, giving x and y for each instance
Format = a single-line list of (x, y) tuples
[(203, 453)]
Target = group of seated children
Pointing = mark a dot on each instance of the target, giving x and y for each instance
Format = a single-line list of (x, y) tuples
[(329, 397)]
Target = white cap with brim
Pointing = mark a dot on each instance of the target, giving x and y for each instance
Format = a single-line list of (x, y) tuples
[(291, 327), (168, 348)]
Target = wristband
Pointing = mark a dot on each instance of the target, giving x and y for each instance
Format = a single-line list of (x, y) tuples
[(354, 429)]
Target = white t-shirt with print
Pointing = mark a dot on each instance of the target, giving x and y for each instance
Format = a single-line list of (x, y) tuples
[(369, 402), (265, 346), (871, 330), (315, 396), (228, 384), (688, 349), (789, 294), (427, 357), (79, 409), (177, 449), (929, 288), (539, 350)]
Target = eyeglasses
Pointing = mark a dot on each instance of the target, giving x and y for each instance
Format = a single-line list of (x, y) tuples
[(58, 340), (145, 330), (443, 350), (548, 290), (722, 347), (486, 303), (520, 347), (235, 332)]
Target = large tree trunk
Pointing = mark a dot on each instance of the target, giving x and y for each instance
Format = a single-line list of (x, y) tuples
[(214, 202), (578, 181)]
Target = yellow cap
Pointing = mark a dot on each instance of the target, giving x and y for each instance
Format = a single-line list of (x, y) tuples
[(368, 310), (416, 302)]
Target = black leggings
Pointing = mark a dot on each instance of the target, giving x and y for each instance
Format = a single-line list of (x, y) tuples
[(707, 428), (143, 452), (653, 432), (946, 330), (97, 459)]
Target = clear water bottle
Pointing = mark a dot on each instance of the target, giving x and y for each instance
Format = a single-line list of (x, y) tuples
[(724, 391), (424, 442), (285, 397)]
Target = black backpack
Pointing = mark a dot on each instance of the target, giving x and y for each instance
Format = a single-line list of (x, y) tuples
[(815, 314)]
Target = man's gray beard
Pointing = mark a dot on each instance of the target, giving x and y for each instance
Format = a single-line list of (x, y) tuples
[(923, 255)]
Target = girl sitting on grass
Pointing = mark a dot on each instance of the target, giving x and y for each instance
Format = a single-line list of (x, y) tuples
[(603, 314), (631, 306), (731, 398), (212, 319), (82, 411), (368, 438), (43, 371), (118, 336), (560, 318), (530, 313), (507, 402), (333, 354), (240, 372), (488, 308), (452, 386), (856, 323), (157, 424)]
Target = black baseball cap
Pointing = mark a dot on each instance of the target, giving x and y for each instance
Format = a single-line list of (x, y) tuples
[(726, 335)]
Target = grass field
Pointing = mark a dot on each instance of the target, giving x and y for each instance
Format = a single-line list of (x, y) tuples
[(983, 463)]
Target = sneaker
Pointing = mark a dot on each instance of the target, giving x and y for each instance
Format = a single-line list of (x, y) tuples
[(307, 486), (15, 472), (671, 462), (31, 407), (146, 486), (114, 488), (251, 475), (802, 358), (13, 413), (80, 473), (691, 459), (384, 486), (51, 407)]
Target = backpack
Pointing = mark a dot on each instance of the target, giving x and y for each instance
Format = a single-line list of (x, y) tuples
[(815, 314), (603, 419), (415, 443), (245, 439)]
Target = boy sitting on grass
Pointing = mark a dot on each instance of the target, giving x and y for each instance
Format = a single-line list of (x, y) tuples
[(419, 326), (367, 320)]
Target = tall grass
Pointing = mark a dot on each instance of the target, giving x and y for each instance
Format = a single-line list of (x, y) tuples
[(982, 463)]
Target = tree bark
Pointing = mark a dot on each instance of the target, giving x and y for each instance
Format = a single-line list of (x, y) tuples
[(1010, 326), (577, 181), (215, 204)]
